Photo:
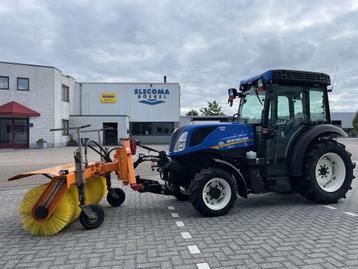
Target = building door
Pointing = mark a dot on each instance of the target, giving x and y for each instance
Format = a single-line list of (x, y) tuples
[(14, 133), (110, 133)]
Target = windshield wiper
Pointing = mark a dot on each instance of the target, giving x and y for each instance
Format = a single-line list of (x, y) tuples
[(257, 95)]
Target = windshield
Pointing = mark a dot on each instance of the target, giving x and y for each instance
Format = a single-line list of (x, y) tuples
[(251, 106)]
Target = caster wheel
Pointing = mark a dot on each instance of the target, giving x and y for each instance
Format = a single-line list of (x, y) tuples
[(92, 223), (116, 197)]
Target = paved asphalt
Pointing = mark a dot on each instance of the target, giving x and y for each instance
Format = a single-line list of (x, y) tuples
[(153, 231)]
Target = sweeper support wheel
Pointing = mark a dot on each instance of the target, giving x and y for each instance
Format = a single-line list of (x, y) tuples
[(92, 219), (116, 197)]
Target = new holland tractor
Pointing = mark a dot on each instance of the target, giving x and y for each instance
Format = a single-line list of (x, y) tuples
[(281, 140)]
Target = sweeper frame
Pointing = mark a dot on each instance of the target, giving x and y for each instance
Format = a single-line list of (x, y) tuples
[(68, 176)]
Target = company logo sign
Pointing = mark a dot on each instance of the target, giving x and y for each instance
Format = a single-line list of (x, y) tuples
[(108, 97), (152, 96)]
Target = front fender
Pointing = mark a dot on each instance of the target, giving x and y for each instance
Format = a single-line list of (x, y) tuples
[(241, 183), (297, 153)]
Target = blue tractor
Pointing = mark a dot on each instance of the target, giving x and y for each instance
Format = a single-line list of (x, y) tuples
[(281, 140)]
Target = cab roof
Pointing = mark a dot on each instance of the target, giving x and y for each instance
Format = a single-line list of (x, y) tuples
[(288, 76)]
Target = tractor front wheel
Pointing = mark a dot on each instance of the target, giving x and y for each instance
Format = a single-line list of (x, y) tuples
[(213, 192), (328, 172)]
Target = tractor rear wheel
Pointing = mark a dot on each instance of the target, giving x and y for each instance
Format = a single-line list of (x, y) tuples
[(213, 192), (328, 172)]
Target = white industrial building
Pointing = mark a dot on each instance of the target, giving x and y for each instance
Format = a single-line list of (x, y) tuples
[(35, 98), (148, 111), (31, 102), (343, 120)]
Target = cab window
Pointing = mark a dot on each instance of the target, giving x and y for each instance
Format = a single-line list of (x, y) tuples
[(287, 106), (317, 106), (251, 106)]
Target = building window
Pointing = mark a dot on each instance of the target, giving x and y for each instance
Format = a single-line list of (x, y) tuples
[(152, 128), (4, 83), (65, 93), (65, 125), (23, 84)]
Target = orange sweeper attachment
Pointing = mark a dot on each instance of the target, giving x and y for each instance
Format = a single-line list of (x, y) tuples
[(76, 189)]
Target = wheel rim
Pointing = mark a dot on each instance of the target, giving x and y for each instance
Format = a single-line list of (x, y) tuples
[(330, 172), (216, 193)]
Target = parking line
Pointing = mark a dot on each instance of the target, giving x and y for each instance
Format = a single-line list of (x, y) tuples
[(186, 235), (203, 265), (171, 208), (330, 207), (194, 249), (351, 214), (175, 215), (180, 224)]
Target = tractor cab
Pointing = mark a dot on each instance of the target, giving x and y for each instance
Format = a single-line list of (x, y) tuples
[(281, 104)]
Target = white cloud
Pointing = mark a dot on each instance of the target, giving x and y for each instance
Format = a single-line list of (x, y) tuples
[(206, 46)]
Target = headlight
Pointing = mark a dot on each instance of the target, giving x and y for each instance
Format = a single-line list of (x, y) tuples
[(181, 142)]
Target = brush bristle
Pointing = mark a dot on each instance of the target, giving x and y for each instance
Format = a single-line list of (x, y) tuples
[(76, 204), (96, 189), (61, 217)]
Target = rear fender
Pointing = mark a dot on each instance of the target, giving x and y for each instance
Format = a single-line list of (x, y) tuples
[(241, 183), (305, 139)]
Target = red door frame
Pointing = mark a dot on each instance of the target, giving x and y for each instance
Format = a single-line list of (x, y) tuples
[(13, 134)]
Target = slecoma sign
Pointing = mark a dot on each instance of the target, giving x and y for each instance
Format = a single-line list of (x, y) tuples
[(151, 96)]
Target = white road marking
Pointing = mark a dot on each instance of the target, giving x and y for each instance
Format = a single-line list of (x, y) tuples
[(203, 265), (171, 208), (330, 207), (180, 223), (186, 235), (351, 214), (194, 249), (175, 215)]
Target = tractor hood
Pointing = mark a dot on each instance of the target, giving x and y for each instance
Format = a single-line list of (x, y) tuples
[(213, 136)]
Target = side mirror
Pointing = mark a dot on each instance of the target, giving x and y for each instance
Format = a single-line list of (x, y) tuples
[(232, 95)]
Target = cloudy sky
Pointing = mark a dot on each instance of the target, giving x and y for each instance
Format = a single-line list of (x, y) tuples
[(206, 46)]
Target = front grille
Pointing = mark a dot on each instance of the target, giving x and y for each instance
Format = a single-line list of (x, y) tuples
[(300, 76)]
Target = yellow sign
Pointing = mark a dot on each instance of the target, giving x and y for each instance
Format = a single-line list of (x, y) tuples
[(108, 97)]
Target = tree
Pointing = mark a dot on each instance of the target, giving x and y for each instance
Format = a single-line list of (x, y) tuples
[(192, 112), (213, 109), (355, 123)]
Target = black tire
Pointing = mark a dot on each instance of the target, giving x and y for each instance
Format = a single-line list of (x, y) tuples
[(310, 188), (179, 194), (116, 197), (197, 187), (92, 223)]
